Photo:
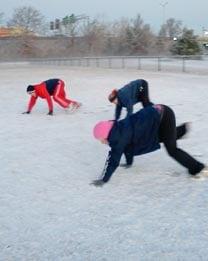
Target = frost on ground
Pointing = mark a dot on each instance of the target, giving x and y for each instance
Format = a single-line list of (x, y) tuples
[(49, 210)]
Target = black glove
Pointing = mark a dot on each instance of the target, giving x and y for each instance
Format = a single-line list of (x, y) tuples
[(126, 166), (50, 113), (26, 112), (98, 183)]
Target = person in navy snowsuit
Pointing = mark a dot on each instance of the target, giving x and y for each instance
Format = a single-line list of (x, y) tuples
[(142, 133), (132, 93)]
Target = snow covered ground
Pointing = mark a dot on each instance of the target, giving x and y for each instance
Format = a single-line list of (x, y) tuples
[(49, 210)]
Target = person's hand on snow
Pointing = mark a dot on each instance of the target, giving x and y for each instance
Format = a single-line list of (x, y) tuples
[(50, 113), (26, 112), (98, 183)]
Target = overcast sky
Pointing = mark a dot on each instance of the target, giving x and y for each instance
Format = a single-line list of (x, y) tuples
[(192, 13)]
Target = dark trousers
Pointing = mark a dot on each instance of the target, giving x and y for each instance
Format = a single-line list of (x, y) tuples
[(144, 94), (168, 134)]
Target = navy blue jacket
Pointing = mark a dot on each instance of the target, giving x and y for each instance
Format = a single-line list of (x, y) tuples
[(128, 96), (134, 135)]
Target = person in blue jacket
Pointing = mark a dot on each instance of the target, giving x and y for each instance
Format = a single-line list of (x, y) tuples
[(142, 133), (132, 93)]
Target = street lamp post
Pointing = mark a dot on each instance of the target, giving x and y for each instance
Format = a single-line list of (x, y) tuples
[(163, 4)]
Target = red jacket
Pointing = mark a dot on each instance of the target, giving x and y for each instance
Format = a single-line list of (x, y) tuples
[(41, 91)]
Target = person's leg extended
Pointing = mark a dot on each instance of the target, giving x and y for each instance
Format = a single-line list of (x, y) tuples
[(71, 103), (59, 95), (181, 130), (168, 135)]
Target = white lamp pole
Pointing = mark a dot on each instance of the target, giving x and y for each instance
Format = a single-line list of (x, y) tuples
[(163, 4)]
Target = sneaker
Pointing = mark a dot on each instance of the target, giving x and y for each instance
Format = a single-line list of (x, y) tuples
[(69, 109), (202, 174), (185, 130), (76, 105), (73, 107)]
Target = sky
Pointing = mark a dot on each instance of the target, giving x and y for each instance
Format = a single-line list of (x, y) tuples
[(192, 13)]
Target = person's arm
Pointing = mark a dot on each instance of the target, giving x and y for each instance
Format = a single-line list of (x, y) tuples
[(129, 110), (118, 111), (111, 164), (50, 103), (31, 103)]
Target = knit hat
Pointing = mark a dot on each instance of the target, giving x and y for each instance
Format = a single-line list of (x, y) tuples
[(102, 129), (30, 88), (113, 95)]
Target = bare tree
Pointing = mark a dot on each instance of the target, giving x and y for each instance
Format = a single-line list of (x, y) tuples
[(140, 37), (119, 45), (28, 18), (95, 36), (70, 26), (172, 28), (168, 31), (70, 22), (134, 37)]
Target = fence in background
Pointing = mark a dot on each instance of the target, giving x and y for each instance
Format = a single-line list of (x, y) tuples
[(191, 64)]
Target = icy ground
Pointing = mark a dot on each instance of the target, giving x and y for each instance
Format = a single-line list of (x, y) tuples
[(49, 210)]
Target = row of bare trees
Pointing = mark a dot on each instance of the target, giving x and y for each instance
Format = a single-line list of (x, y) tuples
[(94, 36)]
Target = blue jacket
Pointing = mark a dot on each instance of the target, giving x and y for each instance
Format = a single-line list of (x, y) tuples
[(127, 97), (134, 135)]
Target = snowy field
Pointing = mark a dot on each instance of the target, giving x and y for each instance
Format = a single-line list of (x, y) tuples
[(49, 210)]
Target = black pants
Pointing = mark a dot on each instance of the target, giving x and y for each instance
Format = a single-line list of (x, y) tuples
[(168, 134), (143, 96)]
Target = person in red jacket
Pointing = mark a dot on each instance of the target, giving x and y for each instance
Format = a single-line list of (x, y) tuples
[(46, 89)]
